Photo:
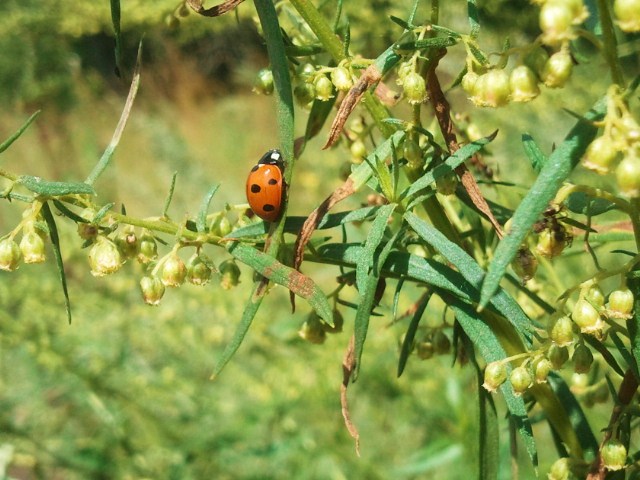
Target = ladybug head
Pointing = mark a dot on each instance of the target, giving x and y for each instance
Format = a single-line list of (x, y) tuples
[(272, 157)]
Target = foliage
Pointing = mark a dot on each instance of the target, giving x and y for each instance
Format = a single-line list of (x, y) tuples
[(431, 230)]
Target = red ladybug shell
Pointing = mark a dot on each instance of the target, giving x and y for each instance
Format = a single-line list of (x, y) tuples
[(265, 186)]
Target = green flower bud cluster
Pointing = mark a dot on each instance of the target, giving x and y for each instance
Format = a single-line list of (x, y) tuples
[(620, 139), (321, 84), (559, 18)]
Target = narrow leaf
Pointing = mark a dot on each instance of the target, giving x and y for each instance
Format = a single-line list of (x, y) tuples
[(278, 273), (7, 143), (553, 173), (472, 272), (374, 238), (474, 19), (172, 187), (54, 189), (489, 442), (201, 224), (409, 337), (55, 243), (249, 313), (633, 324), (533, 152), (489, 346), (124, 117), (115, 20)]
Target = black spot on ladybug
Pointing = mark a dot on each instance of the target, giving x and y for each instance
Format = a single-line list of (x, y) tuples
[(255, 188), (273, 181), (267, 207), (255, 168)]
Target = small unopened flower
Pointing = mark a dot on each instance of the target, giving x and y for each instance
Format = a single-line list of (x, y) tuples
[(415, 88), (341, 79), (524, 84), (174, 271), (520, 379), (312, 330), (152, 290), (558, 69), (628, 14), (230, 274), (495, 375), (198, 272), (10, 255), (587, 317), (582, 359), (620, 303), (104, 257), (32, 247), (614, 455)]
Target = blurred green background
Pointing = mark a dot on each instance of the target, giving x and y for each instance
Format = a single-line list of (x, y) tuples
[(124, 391)]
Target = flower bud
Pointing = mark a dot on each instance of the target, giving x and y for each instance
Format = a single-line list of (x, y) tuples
[(560, 470), (10, 255), (556, 23), (558, 69), (600, 154), (557, 356), (614, 455), (582, 359), (415, 88), (198, 272), (587, 317), (520, 379), (561, 332), (541, 370), (87, 231), (525, 264), (595, 296), (312, 330), (552, 243), (174, 271), (628, 175), (536, 60), (447, 183), (620, 303), (323, 88), (628, 14), (304, 93), (441, 343), (264, 82), (492, 89), (32, 247), (468, 83), (127, 242), (358, 151), (524, 84), (104, 257), (148, 250), (230, 273), (425, 349), (152, 290), (341, 79), (495, 375)]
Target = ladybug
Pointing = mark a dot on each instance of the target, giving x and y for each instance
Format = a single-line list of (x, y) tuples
[(266, 187)]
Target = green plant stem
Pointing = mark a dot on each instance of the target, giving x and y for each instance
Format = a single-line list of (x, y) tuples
[(435, 11), (9, 175), (635, 220), (609, 42)]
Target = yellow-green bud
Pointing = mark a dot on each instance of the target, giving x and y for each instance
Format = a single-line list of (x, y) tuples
[(323, 87), (628, 175), (614, 455), (127, 242), (558, 356), (628, 14), (152, 290), (441, 343), (558, 69), (10, 255), (32, 247), (425, 349), (556, 23), (520, 379), (104, 257), (148, 250), (620, 303), (264, 82), (198, 272), (492, 89), (341, 79), (541, 370), (230, 274), (560, 470), (525, 264), (174, 271), (415, 88), (524, 84), (600, 154), (587, 317), (495, 375), (561, 331), (312, 330)]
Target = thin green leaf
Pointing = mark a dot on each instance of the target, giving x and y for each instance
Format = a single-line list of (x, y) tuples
[(396, 300), (115, 20), (117, 134), (278, 273), (433, 42), (201, 224), (363, 172), (606, 354), (55, 243), (553, 173), (102, 212), (172, 187), (472, 272), (376, 233), (68, 213), (449, 164), (575, 414), (54, 189), (582, 203), (7, 143), (489, 346), (249, 313), (414, 10), (533, 152), (624, 352), (294, 224), (489, 441), (633, 324), (474, 19), (281, 79), (409, 337)]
